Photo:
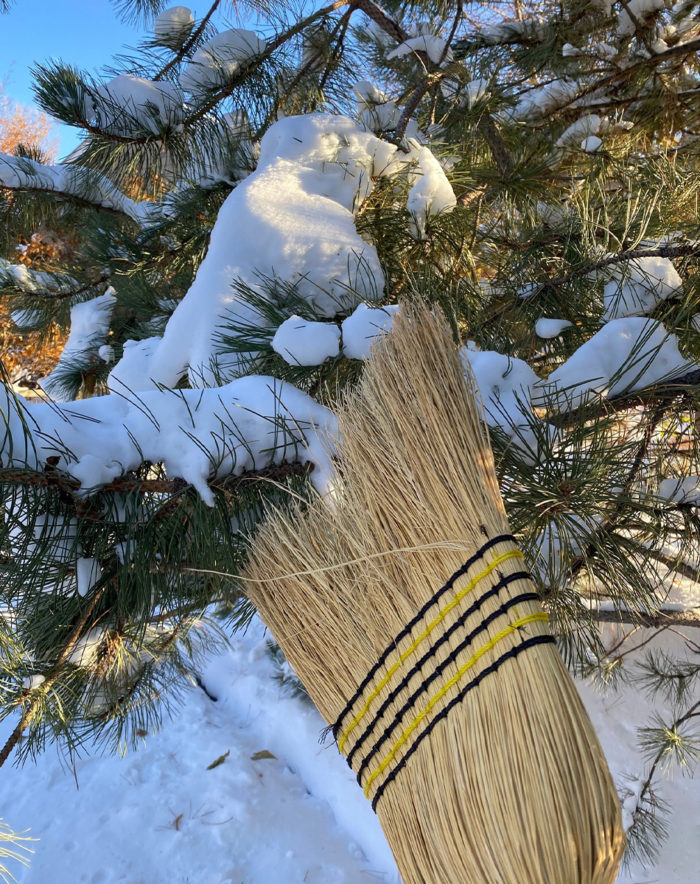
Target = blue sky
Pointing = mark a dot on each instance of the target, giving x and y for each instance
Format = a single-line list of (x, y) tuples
[(85, 33)]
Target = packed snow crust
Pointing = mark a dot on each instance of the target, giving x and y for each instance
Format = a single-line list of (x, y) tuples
[(294, 816)]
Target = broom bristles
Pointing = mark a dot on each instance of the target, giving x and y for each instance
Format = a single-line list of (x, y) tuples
[(417, 632)]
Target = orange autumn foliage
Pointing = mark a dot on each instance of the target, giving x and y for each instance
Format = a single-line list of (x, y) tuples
[(25, 125), (29, 354)]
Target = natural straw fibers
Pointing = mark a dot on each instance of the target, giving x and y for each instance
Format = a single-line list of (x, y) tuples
[(404, 605)]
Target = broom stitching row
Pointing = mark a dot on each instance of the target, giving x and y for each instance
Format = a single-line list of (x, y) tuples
[(503, 582), (541, 616), (410, 702), (513, 652), (480, 553), (510, 554)]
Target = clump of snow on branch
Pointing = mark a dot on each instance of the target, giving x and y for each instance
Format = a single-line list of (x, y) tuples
[(591, 144), (431, 193), (131, 372), (433, 46), (635, 11), (33, 281), (301, 342), (639, 286), (505, 386), (374, 108), (550, 328), (624, 356), (364, 326), (198, 435), (579, 130), (128, 103), (537, 102), (503, 32), (89, 325), (214, 63), (173, 26)]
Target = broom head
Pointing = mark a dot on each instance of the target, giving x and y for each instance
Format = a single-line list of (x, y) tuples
[(403, 603)]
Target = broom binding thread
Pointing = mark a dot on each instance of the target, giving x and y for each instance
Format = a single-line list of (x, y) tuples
[(502, 583), (512, 653), (430, 657), (472, 560)]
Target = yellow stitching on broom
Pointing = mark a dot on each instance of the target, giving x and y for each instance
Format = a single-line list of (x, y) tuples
[(512, 627), (510, 554)]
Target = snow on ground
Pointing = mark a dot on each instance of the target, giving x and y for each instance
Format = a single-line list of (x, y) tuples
[(160, 816)]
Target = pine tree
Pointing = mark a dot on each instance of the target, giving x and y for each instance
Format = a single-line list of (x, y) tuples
[(238, 210)]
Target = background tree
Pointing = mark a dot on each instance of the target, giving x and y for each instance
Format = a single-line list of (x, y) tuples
[(564, 250), (29, 356)]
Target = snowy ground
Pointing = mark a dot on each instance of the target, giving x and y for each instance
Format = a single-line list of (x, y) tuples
[(160, 816)]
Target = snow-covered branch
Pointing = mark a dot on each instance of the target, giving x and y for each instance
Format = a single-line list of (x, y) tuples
[(72, 182)]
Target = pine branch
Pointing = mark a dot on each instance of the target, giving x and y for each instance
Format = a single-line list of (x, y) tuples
[(127, 485), (659, 619), (692, 712), (687, 251), (51, 677), (662, 393)]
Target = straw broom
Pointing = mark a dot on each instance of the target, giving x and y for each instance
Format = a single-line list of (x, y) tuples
[(404, 606)]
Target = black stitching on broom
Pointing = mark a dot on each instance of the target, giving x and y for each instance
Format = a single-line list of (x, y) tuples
[(502, 583), (419, 616), (513, 652), (452, 658)]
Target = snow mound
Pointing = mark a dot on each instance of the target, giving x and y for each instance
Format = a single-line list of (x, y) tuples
[(293, 220)]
